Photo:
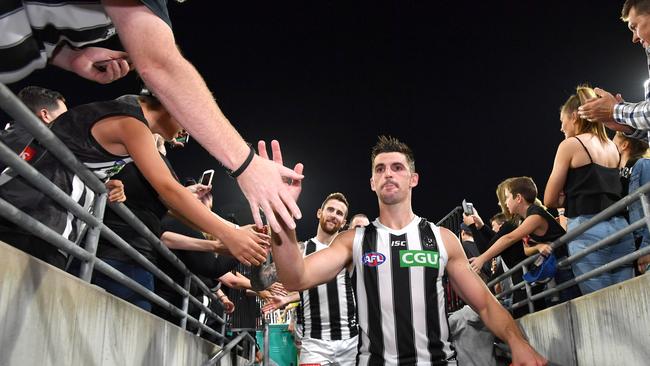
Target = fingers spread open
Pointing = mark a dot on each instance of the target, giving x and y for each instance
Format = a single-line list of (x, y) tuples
[(276, 151), (261, 149)]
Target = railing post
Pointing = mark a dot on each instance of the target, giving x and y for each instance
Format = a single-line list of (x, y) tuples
[(92, 238), (266, 342), (645, 204), (529, 292), (186, 301)]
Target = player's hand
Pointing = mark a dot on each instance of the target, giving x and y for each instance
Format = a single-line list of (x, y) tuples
[(524, 355)]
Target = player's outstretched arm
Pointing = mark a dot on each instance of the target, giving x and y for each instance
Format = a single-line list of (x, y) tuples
[(298, 274)]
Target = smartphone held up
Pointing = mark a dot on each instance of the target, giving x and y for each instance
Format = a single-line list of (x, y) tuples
[(468, 208), (206, 177)]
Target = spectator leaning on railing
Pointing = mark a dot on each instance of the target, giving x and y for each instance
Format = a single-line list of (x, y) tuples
[(145, 31), (538, 225), (512, 255), (107, 135), (47, 105)]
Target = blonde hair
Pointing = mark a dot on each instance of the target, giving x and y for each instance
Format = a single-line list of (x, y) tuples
[(581, 125), (501, 196)]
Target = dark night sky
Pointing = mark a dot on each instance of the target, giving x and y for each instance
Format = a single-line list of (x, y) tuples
[(473, 87)]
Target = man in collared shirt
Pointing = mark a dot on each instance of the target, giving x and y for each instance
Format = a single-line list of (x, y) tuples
[(631, 118)]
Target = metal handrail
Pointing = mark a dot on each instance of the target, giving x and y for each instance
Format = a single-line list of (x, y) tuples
[(639, 194), (39, 181), (16, 216), (229, 346), (21, 114)]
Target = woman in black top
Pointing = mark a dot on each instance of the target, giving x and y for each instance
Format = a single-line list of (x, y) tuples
[(585, 180)]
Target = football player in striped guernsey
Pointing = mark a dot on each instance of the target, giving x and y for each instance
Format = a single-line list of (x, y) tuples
[(397, 264)]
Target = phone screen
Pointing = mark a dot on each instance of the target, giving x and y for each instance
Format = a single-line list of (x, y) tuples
[(206, 178)]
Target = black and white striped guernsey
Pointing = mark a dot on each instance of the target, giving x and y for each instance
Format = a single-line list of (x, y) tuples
[(397, 279), (30, 31), (328, 310), (73, 128)]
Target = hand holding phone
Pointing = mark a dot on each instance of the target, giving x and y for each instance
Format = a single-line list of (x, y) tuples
[(103, 64), (206, 177), (468, 208), (183, 137)]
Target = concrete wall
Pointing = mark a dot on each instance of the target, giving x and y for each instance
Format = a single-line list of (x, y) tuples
[(608, 327), (48, 317)]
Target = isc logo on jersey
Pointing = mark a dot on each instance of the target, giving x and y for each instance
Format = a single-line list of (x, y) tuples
[(373, 259), (418, 258)]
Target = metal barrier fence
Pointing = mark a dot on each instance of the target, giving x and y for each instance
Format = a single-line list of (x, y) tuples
[(454, 218), (640, 194), (21, 114), (452, 221)]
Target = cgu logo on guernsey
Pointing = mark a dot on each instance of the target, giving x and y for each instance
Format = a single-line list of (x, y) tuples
[(418, 258), (373, 259)]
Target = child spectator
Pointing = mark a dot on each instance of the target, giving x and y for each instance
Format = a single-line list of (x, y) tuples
[(485, 237), (539, 225)]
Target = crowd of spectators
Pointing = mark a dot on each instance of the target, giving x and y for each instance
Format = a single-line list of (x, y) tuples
[(122, 142)]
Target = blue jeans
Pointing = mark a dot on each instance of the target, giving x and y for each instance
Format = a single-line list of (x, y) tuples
[(601, 256), (133, 271)]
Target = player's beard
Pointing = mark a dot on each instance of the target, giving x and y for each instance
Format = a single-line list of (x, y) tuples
[(326, 229)]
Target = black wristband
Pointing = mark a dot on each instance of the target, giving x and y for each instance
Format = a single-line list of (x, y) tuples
[(245, 164)]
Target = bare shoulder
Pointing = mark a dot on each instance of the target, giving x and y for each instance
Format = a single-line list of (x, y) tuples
[(345, 239), (451, 242), (570, 144)]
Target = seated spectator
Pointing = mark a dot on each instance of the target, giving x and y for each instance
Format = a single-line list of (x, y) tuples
[(635, 172), (585, 180), (539, 225)]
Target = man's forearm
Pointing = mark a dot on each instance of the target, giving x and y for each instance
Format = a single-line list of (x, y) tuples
[(500, 322), (152, 49), (635, 115), (289, 262)]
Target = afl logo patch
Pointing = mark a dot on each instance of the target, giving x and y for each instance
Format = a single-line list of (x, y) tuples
[(373, 259)]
